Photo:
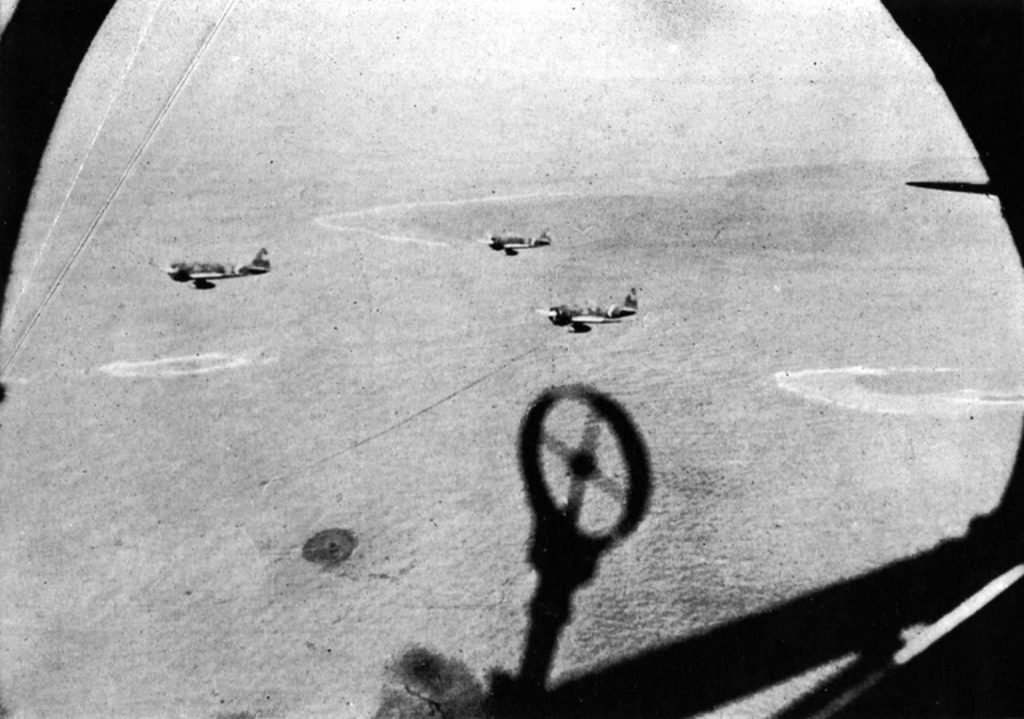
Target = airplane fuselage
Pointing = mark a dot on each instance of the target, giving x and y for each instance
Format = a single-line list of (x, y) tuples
[(511, 244), (564, 314), (188, 271), (580, 318), (203, 273)]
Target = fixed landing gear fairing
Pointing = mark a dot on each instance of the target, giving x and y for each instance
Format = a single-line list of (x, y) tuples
[(201, 274)]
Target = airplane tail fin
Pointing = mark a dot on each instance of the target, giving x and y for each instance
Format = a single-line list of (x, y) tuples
[(260, 261), (631, 302)]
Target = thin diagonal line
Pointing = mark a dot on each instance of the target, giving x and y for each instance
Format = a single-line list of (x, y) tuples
[(92, 143), (402, 422), (154, 126)]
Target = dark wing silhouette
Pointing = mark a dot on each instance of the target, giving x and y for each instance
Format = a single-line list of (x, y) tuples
[(974, 49), (40, 51)]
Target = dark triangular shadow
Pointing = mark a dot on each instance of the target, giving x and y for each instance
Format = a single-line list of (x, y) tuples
[(973, 188), (40, 51)]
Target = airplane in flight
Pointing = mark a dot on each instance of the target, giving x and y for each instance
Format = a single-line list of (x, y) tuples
[(580, 318), (511, 244), (200, 274)]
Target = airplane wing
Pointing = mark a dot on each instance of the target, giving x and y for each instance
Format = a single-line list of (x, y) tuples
[(208, 276), (592, 319), (974, 51), (582, 319)]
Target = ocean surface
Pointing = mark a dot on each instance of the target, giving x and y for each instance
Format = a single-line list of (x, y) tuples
[(824, 366)]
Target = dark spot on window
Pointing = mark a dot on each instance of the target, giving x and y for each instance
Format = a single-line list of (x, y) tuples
[(329, 547)]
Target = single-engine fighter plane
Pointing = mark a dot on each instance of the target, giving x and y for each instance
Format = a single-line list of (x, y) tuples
[(200, 274), (511, 244), (580, 318)]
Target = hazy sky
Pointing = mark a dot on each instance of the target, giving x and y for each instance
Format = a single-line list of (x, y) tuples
[(780, 83)]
